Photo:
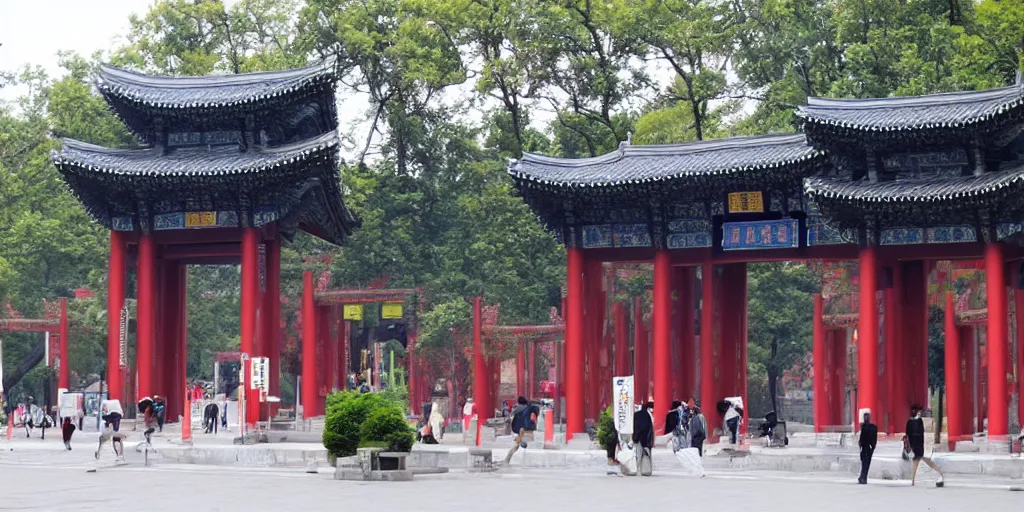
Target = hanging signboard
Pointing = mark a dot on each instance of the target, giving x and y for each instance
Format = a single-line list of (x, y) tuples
[(123, 341), (746, 202), (353, 312), (260, 370), (622, 398), (200, 219), (391, 310)]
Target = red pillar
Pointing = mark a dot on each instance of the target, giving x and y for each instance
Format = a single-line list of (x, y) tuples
[(899, 402), (641, 361), (145, 338), (662, 341), (115, 302), (891, 365), (250, 297), (531, 370), (914, 320), (574, 344), (182, 341), (330, 342), (168, 343), (1019, 307), (309, 394), (686, 386), (64, 377), (954, 394), (820, 372), (272, 316), (998, 342), (968, 398), (481, 379), (343, 352), (867, 332), (592, 275), (520, 368), (707, 349), (839, 377), (620, 318)]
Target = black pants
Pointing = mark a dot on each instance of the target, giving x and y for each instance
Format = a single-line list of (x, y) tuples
[(865, 463), (734, 428), (698, 443)]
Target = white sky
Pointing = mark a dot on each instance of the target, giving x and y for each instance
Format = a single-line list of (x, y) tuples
[(34, 31)]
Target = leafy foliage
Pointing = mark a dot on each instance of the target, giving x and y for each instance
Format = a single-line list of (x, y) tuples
[(346, 414), (387, 424)]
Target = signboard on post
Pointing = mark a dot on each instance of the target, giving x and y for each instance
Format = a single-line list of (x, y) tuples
[(260, 371), (391, 310), (353, 312), (622, 400), (123, 341)]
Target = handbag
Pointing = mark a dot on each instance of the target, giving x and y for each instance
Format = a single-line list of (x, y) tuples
[(906, 453)]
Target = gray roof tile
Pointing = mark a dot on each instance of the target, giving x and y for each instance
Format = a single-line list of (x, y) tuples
[(930, 190), (646, 164), (947, 110), (204, 92)]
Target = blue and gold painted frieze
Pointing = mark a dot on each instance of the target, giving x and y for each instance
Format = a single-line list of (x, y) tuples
[(124, 223), (1008, 229), (616, 235), (763, 234), (902, 236), (951, 234), (195, 220), (687, 240)]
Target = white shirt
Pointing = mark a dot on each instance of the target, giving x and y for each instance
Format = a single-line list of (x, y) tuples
[(736, 401)]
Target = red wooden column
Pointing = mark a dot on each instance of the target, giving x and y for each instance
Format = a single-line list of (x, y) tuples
[(966, 371), (998, 343), (272, 316), (707, 349), (481, 379), (641, 361), (892, 365), (899, 402), (621, 320), (343, 337), (330, 341), (115, 302), (309, 394), (520, 368), (594, 320), (574, 344), (867, 331), (250, 298), (145, 316), (686, 386), (838, 379), (1019, 307), (914, 320), (820, 371), (531, 370), (181, 371), (64, 377), (662, 349), (954, 393), (169, 336)]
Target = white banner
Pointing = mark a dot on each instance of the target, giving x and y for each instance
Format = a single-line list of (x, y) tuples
[(622, 398), (259, 376), (122, 341)]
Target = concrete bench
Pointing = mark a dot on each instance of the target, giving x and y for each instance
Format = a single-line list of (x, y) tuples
[(400, 456), (483, 459)]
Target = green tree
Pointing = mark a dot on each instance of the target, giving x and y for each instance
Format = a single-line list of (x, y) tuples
[(779, 310)]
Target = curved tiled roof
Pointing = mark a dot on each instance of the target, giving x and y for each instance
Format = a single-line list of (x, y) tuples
[(632, 165), (948, 110), (205, 92), (77, 157), (914, 191)]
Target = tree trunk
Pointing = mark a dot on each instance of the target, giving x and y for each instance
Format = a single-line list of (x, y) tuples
[(27, 364), (938, 416), (772, 385)]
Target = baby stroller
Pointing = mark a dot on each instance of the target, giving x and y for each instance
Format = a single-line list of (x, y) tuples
[(774, 430)]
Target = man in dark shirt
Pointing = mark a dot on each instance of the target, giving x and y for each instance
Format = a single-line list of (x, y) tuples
[(868, 440)]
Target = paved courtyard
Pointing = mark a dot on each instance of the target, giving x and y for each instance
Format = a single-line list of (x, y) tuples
[(64, 484)]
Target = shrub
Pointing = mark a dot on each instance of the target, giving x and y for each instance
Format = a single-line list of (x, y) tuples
[(606, 428), (338, 397), (345, 418), (388, 425)]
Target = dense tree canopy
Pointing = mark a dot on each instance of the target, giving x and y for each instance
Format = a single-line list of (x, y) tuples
[(449, 90)]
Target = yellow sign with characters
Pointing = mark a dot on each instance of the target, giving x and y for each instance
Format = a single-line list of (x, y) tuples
[(353, 312), (200, 219), (391, 310), (746, 202)]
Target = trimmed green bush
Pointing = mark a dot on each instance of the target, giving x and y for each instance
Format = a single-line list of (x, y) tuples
[(388, 424), (606, 428), (345, 418)]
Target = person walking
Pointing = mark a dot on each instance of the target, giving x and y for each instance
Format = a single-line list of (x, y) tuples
[(698, 430), (913, 441), (867, 442), (643, 437), (66, 429), (520, 420), (733, 417)]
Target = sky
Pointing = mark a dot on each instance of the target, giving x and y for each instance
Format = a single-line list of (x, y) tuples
[(34, 31)]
